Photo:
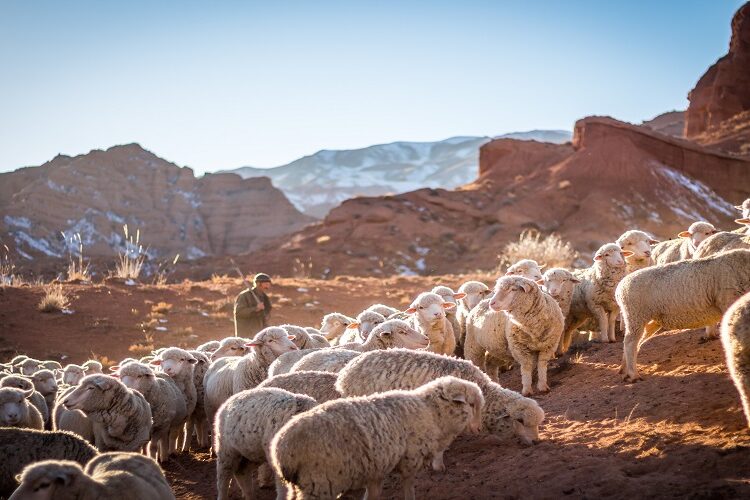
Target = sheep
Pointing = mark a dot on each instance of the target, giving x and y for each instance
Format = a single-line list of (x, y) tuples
[(51, 365), (209, 347), (231, 375), (560, 284), (245, 425), (21, 447), (735, 337), (168, 405), (594, 296), (428, 316), (365, 438), (74, 421), (230, 346), (361, 328), (28, 366), (197, 422), (325, 360), (536, 324), (382, 309), (392, 333), (686, 294), (92, 367), (16, 411), (321, 386), (449, 295), (639, 243), (474, 292), (36, 398), (284, 363), (506, 413), (724, 241), (304, 340), (46, 385), (527, 268), (108, 475), (121, 417), (683, 247), (333, 326), (72, 374)]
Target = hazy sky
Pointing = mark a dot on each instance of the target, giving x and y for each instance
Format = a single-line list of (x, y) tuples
[(223, 84)]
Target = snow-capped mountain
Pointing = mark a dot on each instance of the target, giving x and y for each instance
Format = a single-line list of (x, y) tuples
[(319, 182)]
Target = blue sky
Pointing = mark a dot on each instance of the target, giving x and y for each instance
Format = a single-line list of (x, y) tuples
[(223, 84)]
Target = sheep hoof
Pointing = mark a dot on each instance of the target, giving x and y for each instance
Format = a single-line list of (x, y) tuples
[(631, 379), (526, 392), (543, 389)]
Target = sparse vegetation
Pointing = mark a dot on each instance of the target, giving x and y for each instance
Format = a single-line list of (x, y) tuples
[(549, 250), (163, 270), (7, 266), (130, 261), (77, 270), (54, 300), (161, 308), (301, 268)]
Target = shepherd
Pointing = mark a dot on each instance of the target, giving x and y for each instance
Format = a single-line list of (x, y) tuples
[(252, 307)]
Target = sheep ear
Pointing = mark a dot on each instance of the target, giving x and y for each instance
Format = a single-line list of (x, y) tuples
[(540, 282), (103, 384), (115, 375), (459, 295), (542, 266), (459, 398), (742, 221), (597, 257), (411, 310), (29, 393), (487, 292), (574, 280), (352, 326), (684, 234), (448, 305), (62, 478), (627, 253), (192, 361), (509, 273), (114, 368), (526, 286), (156, 362), (253, 344)]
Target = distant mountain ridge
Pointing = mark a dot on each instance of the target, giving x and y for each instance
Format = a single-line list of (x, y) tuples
[(317, 183)]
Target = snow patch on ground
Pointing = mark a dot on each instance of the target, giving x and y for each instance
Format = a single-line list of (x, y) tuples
[(21, 222)]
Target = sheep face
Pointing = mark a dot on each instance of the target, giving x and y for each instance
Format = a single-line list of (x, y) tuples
[(637, 242), (73, 374), (174, 361), (91, 393), (474, 294), (430, 307), (137, 376), (698, 231), (230, 346), (92, 367), (402, 334), (366, 321), (557, 280), (526, 424), (47, 480), (44, 382), (527, 268), (17, 382), (448, 295), (508, 292), (29, 366), (611, 255), (465, 395), (275, 339), (333, 323), (13, 405)]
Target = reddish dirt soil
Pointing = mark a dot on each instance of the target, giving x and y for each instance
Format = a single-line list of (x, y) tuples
[(678, 433)]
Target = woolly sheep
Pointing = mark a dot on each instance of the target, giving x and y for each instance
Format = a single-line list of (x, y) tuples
[(428, 315), (449, 296), (683, 247), (168, 405), (208, 347), (230, 346), (321, 386), (725, 241), (114, 476), (560, 283), (284, 363), (594, 296), (121, 417), (389, 334), (197, 422), (527, 268), (21, 447), (46, 385), (474, 292), (361, 328), (72, 374), (231, 375), (685, 294), (36, 399), (92, 367), (304, 340), (639, 243), (365, 438), (74, 421), (51, 365), (735, 337), (245, 425), (507, 413), (17, 411), (383, 309), (334, 325), (27, 367), (325, 360), (536, 324)]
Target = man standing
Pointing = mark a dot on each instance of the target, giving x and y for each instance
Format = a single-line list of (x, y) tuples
[(252, 307)]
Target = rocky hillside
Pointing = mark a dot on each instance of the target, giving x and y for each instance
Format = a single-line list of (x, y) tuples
[(719, 111), (669, 123), (317, 183), (97, 193)]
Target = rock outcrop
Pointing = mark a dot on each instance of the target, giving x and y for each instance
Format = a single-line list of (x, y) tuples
[(669, 123)]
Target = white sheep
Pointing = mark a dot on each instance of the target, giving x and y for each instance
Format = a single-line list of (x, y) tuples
[(383, 309), (121, 417), (474, 292), (36, 399), (27, 366), (283, 364), (686, 294), (725, 240), (321, 386), (506, 414), (325, 360), (72, 374), (179, 365), (245, 425), (22, 447), (389, 334), (197, 421), (536, 324), (683, 247), (527, 268), (303, 340), (209, 347), (108, 475), (638, 242), (92, 367), (428, 315), (334, 325), (364, 439), (230, 346), (359, 330), (560, 284), (449, 296), (17, 411), (46, 385), (735, 337), (51, 365), (74, 421)]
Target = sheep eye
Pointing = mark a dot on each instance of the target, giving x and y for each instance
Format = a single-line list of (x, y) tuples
[(42, 486), (89, 388), (519, 420)]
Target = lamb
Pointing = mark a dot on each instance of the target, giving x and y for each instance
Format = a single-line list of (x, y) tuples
[(16, 411), (639, 243), (506, 413), (245, 425), (474, 292), (527, 268), (284, 363), (304, 340), (366, 438), (686, 294), (92, 367), (21, 447), (231, 375), (121, 417), (428, 316), (392, 333), (382, 309), (684, 247), (51, 365), (168, 406), (560, 283), (325, 360), (36, 398), (230, 346), (115, 476), (361, 328), (28, 366), (333, 326), (74, 421), (536, 324), (449, 295), (321, 386), (735, 337), (724, 241), (594, 296), (209, 347), (46, 385), (197, 422), (72, 374)]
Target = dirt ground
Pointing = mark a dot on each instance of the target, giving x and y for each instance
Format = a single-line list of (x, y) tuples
[(678, 433)]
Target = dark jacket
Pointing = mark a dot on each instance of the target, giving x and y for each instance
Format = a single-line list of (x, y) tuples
[(247, 319)]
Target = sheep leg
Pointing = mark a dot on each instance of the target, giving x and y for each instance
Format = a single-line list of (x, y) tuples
[(567, 337), (203, 438), (226, 463), (712, 332), (407, 484), (634, 330), (474, 352), (541, 370), (527, 372), (281, 489), (612, 330), (437, 462), (492, 365), (374, 489), (245, 477), (188, 434), (603, 319)]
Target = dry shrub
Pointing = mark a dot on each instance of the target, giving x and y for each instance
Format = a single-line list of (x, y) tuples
[(130, 261), (549, 250), (54, 300), (77, 270), (7, 266), (161, 308)]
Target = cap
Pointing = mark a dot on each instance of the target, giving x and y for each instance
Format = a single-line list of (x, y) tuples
[(261, 278)]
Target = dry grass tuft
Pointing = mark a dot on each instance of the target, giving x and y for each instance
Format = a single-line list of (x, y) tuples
[(161, 308), (549, 250), (77, 270), (130, 261), (54, 300)]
